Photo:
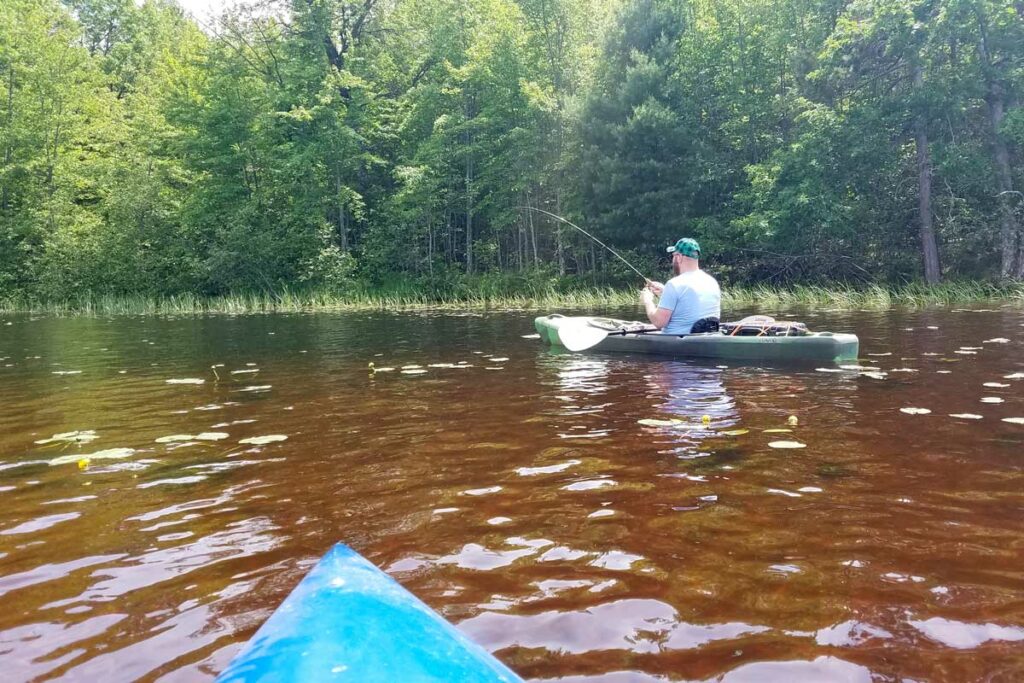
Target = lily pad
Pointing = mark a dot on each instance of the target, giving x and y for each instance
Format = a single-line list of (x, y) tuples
[(997, 340), (780, 430), (212, 436), (174, 438), (1015, 375), (1014, 420), (482, 491), (966, 416), (84, 436), (549, 469), (995, 385), (109, 454), (782, 492), (261, 440), (915, 411), (414, 371), (786, 444), (659, 423), (735, 432), (187, 380), (991, 399)]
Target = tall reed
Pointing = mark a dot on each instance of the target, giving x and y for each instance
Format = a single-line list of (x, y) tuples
[(764, 297)]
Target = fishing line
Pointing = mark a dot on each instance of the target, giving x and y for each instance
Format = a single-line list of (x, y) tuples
[(571, 224)]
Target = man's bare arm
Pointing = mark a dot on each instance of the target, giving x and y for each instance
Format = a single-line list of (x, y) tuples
[(659, 317)]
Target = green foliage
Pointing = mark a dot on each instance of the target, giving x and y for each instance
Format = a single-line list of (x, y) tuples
[(338, 146)]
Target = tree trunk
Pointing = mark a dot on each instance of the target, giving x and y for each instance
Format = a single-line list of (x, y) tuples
[(449, 247), (533, 234), (929, 249), (520, 239), (469, 213), (560, 243), (1009, 233), (342, 213), (9, 148)]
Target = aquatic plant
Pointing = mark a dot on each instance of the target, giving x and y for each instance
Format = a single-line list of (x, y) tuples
[(534, 298)]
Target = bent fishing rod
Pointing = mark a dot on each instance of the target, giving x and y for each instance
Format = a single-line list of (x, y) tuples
[(573, 225)]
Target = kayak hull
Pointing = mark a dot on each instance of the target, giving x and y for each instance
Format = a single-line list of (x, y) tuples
[(349, 621), (817, 346)]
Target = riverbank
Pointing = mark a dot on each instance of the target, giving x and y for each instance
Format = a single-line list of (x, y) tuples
[(767, 297)]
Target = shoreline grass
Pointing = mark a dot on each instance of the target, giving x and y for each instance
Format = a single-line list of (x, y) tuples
[(769, 298)]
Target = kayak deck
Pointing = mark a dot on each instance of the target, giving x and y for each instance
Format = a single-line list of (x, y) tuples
[(816, 346), (349, 621)]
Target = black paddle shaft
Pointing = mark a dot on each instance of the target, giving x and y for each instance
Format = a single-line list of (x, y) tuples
[(642, 330)]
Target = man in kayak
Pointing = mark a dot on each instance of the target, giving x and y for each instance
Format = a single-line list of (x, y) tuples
[(691, 302)]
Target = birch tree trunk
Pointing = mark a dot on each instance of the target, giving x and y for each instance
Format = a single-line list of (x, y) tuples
[(469, 213), (929, 249)]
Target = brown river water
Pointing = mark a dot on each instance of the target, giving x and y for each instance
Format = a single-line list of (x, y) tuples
[(518, 495)]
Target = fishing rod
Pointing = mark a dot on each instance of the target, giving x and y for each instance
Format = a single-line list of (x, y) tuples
[(571, 224)]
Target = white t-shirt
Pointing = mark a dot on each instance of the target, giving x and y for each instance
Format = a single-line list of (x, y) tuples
[(690, 296)]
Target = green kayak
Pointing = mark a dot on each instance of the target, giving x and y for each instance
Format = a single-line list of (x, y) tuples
[(752, 342)]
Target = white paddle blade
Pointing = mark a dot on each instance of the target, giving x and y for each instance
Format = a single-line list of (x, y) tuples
[(579, 336)]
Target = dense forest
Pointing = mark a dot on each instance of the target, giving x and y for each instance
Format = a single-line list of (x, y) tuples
[(336, 144)]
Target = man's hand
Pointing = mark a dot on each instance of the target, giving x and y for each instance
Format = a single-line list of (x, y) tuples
[(659, 317)]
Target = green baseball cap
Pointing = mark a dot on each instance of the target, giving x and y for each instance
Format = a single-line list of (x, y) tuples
[(686, 246)]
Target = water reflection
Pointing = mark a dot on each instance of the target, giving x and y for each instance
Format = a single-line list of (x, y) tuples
[(641, 626), (575, 512), (696, 395), (964, 636), (582, 386), (591, 391)]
